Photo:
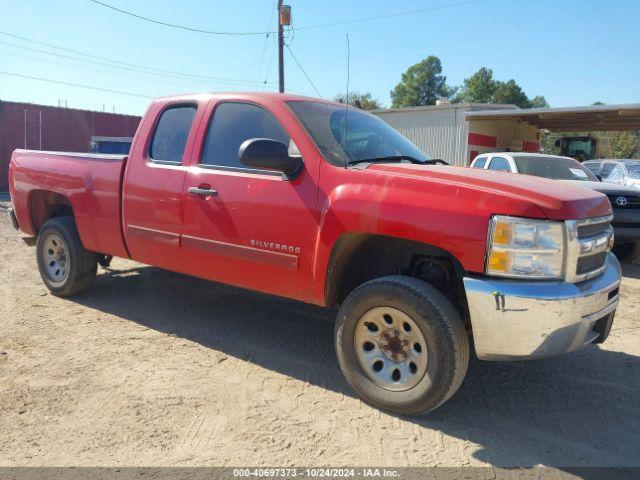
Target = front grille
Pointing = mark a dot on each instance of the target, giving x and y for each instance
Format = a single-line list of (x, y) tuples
[(590, 263), (589, 245), (630, 202), (590, 230)]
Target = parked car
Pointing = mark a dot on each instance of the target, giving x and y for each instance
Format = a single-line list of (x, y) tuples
[(625, 200), (322, 203), (619, 171)]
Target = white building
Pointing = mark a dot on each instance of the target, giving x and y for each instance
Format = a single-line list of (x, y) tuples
[(443, 131), (457, 133)]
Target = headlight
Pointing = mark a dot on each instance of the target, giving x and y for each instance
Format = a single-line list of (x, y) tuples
[(520, 247)]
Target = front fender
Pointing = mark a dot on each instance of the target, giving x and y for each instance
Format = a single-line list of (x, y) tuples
[(452, 218)]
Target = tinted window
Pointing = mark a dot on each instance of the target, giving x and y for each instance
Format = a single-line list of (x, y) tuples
[(171, 134), (500, 163), (593, 166), (557, 168), (607, 169), (479, 162), (346, 134), (232, 124)]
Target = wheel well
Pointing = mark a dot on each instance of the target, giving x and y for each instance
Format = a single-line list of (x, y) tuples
[(44, 204), (358, 258)]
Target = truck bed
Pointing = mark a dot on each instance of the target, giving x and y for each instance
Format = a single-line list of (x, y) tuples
[(89, 183)]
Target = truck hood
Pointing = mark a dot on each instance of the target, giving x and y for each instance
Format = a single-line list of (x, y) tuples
[(557, 200), (604, 187)]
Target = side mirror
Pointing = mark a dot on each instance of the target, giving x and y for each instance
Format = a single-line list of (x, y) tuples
[(264, 153)]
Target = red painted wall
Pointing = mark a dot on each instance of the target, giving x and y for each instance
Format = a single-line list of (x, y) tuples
[(61, 129), (530, 146)]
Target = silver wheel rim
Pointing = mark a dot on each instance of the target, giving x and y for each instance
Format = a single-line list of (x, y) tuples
[(55, 256), (390, 348)]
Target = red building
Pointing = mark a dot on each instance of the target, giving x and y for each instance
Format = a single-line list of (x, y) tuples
[(41, 127)]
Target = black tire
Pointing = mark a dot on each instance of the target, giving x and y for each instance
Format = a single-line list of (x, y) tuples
[(439, 323), (627, 252), (81, 263)]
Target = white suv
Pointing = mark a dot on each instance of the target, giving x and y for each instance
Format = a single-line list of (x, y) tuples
[(538, 164)]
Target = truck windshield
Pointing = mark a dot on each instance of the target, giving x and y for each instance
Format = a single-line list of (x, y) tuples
[(345, 135), (556, 168)]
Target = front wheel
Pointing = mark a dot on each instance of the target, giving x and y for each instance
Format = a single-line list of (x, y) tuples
[(65, 266), (401, 345)]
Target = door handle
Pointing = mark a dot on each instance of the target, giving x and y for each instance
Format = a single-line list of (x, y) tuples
[(203, 192)]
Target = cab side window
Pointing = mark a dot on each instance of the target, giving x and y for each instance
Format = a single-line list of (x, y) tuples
[(500, 163), (616, 174), (593, 166), (231, 125), (171, 134), (606, 170), (479, 162)]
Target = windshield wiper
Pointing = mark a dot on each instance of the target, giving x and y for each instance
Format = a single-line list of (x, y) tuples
[(398, 158)]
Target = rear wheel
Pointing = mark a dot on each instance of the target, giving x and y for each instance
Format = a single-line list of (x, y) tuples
[(401, 345), (65, 266)]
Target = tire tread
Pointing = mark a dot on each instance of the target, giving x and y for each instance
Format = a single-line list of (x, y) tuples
[(437, 307), (82, 275)]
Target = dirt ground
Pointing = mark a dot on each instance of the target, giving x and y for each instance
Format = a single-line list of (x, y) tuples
[(151, 368)]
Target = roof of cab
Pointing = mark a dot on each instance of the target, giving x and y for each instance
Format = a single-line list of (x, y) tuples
[(283, 97)]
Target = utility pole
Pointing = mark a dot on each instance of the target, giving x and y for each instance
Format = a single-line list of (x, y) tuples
[(280, 48), (284, 18)]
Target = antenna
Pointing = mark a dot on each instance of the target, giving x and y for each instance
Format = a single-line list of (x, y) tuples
[(346, 107)]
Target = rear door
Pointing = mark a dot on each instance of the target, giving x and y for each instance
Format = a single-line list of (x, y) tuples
[(247, 227), (154, 179)]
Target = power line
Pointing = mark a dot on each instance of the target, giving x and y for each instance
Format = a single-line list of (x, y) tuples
[(273, 55), (173, 25), (302, 69), (390, 15), (70, 84), (309, 27), (266, 41), (125, 64), (180, 84), (122, 67)]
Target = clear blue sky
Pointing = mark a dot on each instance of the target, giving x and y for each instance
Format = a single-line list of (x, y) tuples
[(573, 52)]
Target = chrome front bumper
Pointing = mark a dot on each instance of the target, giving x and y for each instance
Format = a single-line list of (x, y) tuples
[(518, 320)]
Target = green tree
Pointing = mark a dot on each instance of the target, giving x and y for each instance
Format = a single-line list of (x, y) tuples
[(421, 84), (479, 87), (623, 144), (482, 87), (511, 92), (539, 102), (365, 101)]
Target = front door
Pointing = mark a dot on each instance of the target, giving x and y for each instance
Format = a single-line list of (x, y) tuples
[(246, 227)]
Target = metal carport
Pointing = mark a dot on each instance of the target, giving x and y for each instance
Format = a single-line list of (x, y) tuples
[(592, 118)]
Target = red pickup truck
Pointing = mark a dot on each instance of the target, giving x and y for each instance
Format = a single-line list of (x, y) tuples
[(321, 203)]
